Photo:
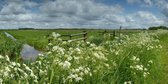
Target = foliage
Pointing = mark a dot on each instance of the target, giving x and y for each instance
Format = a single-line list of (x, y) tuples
[(95, 40), (10, 47), (124, 60), (159, 27)]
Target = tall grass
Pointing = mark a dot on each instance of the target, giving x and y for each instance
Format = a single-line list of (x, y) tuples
[(124, 60), (10, 47)]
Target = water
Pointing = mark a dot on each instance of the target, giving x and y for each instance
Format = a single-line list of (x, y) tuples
[(10, 36), (28, 53)]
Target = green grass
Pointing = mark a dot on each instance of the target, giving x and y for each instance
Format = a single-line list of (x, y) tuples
[(164, 55), (128, 58), (38, 38), (9, 47), (132, 57)]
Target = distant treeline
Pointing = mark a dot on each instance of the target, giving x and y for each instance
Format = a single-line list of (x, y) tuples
[(26, 28), (158, 27)]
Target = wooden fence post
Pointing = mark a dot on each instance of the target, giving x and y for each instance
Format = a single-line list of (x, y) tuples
[(85, 36), (49, 39), (120, 30), (70, 37), (114, 33)]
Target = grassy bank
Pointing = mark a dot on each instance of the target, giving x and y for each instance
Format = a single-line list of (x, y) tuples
[(38, 38), (136, 58)]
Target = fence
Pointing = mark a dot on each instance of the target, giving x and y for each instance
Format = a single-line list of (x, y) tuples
[(112, 33), (83, 36)]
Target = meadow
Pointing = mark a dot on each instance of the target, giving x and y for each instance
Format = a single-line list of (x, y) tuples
[(131, 57)]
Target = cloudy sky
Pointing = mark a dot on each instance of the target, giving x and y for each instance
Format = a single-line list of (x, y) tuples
[(83, 13)]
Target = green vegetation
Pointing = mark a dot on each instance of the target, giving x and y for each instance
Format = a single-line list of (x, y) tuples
[(159, 27), (9, 47), (138, 58), (38, 38)]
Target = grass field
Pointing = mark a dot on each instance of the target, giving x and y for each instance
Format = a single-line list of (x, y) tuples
[(38, 38), (133, 57)]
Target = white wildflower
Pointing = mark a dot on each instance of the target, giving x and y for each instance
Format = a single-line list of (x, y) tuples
[(11, 75), (90, 74), (1, 80), (160, 46), (35, 81), (32, 75), (131, 67), (41, 72), (150, 61), (78, 50), (96, 55), (59, 39), (25, 75), (133, 58), (50, 44), (58, 49), (77, 79), (7, 58), (20, 70), (18, 64), (66, 65), (81, 73), (139, 67), (144, 74), (48, 53), (28, 69), (55, 48), (5, 74), (86, 71), (77, 70), (127, 82), (7, 69), (69, 58), (40, 54), (80, 68), (117, 53), (69, 41), (137, 59), (92, 45), (64, 42), (145, 69), (73, 76), (107, 65), (55, 35), (87, 42), (1, 57), (39, 62), (13, 63)]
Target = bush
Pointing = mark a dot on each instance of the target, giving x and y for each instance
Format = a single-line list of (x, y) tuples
[(159, 27), (96, 40)]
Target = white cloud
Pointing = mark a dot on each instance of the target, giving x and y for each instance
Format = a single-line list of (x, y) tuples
[(144, 19), (84, 9), (74, 13), (133, 1), (81, 13), (162, 4), (13, 8)]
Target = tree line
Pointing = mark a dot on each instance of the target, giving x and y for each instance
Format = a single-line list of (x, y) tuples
[(158, 27)]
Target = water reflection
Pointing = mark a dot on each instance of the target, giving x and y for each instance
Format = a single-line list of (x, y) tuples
[(28, 53), (10, 36)]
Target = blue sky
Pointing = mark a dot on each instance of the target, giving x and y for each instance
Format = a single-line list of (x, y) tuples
[(83, 13)]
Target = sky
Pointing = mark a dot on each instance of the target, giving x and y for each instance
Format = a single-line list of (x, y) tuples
[(83, 13)]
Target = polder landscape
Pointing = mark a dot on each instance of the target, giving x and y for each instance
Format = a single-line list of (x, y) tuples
[(46, 42)]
